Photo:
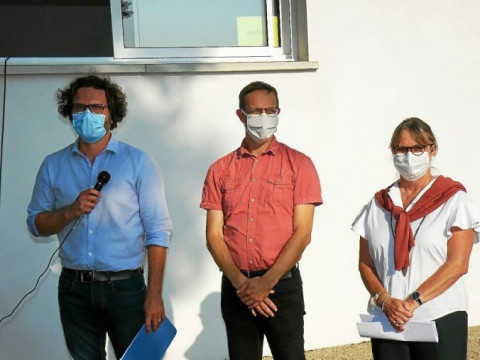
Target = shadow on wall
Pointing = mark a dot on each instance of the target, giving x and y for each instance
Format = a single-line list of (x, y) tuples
[(211, 343), (156, 123)]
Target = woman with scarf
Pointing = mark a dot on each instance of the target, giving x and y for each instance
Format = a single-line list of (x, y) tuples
[(416, 237)]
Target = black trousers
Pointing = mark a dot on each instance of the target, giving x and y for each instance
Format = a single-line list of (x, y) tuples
[(91, 310), (452, 342), (284, 331)]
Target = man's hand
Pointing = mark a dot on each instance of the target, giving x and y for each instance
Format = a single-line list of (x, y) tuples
[(154, 307), (85, 202), (154, 312), (51, 222), (254, 293), (266, 308)]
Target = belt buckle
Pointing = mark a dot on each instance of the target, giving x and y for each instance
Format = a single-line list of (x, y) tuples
[(87, 276)]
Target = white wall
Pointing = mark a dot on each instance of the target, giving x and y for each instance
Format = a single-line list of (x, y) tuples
[(380, 62)]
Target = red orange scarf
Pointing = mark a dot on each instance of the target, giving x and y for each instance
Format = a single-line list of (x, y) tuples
[(442, 189)]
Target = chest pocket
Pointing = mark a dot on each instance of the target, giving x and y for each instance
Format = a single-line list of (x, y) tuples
[(231, 192), (281, 189)]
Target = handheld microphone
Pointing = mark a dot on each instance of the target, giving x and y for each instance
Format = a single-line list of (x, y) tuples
[(102, 179)]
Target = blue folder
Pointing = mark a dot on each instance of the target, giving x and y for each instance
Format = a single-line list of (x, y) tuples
[(151, 346)]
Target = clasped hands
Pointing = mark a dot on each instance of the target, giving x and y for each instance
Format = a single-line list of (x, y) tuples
[(254, 293), (398, 312)]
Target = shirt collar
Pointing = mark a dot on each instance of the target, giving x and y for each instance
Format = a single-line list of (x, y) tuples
[(396, 196), (272, 149), (394, 193), (112, 145)]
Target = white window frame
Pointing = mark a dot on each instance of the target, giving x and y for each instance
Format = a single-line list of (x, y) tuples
[(288, 51)]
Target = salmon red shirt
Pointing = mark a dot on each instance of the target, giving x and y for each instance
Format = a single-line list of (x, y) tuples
[(257, 196)]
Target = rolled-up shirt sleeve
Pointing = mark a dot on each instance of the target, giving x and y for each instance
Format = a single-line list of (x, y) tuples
[(153, 206), (42, 198), (211, 194), (307, 185)]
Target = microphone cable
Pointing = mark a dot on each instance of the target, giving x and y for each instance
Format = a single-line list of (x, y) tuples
[(44, 271), (2, 135)]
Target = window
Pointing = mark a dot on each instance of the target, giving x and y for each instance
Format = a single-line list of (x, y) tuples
[(50, 28), (203, 31)]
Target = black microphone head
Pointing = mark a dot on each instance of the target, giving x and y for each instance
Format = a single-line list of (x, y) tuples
[(102, 179)]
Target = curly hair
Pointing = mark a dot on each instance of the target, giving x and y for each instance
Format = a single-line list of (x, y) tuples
[(253, 86), (116, 98)]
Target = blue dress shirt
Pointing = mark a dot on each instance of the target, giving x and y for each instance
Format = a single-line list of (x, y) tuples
[(131, 214)]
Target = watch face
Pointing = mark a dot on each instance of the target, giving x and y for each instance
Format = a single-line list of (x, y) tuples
[(416, 297)]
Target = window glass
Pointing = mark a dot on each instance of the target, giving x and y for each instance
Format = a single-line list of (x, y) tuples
[(183, 23), (213, 30)]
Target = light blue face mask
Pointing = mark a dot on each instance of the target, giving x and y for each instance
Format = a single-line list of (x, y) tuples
[(90, 127)]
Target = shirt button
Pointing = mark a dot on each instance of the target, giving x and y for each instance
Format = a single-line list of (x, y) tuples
[(252, 199), (250, 261), (250, 240), (253, 180), (251, 219), (89, 254), (90, 232), (256, 160)]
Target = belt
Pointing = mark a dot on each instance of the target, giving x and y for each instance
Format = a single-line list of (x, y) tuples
[(288, 275), (88, 276)]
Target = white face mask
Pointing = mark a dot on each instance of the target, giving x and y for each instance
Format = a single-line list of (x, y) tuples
[(412, 167), (261, 127)]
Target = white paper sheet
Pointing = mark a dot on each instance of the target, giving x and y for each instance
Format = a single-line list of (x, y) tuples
[(373, 327)]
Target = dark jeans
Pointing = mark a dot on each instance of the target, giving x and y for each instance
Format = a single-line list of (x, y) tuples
[(90, 310), (452, 342), (284, 331)]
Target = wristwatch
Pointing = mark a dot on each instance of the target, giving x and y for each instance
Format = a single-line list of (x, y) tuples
[(416, 296)]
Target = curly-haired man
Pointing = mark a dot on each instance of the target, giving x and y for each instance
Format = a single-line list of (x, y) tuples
[(107, 235)]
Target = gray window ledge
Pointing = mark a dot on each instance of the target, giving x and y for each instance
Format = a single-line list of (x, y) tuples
[(39, 66)]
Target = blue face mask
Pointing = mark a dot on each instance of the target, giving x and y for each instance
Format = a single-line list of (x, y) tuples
[(90, 127)]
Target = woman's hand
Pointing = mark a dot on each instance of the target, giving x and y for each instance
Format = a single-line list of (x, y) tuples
[(398, 312)]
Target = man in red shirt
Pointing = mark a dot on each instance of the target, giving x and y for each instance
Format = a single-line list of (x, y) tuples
[(260, 202)]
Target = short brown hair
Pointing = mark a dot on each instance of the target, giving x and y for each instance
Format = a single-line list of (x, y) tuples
[(253, 86)]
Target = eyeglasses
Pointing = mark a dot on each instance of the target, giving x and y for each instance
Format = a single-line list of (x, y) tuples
[(415, 150), (94, 108), (256, 112)]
